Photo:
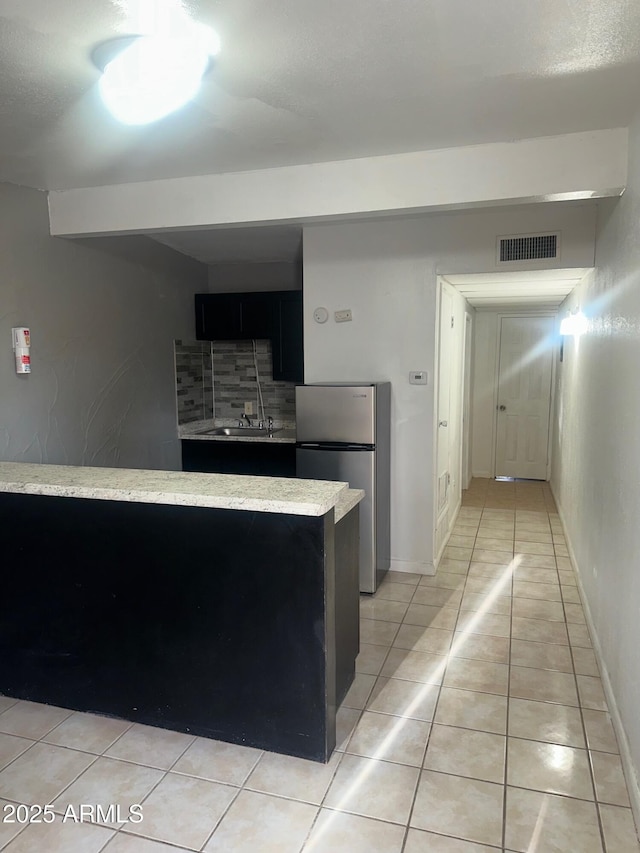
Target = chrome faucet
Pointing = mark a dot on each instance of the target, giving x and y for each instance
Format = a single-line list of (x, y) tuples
[(269, 425), (247, 419)]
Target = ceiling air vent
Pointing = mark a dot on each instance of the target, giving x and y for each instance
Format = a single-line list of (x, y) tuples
[(528, 247)]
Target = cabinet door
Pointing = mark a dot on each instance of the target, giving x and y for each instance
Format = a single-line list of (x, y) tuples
[(218, 317), (238, 457), (255, 315), (288, 361), (233, 316)]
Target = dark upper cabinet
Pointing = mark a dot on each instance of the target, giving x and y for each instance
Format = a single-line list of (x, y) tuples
[(255, 315), (276, 315), (233, 316), (286, 340)]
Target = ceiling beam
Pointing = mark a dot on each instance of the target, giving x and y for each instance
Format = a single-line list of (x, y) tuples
[(572, 166)]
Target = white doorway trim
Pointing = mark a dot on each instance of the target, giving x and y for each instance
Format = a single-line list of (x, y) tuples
[(448, 396), (467, 402)]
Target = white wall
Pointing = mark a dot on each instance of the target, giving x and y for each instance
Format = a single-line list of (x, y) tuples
[(102, 390), (385, 272), (596, 472)]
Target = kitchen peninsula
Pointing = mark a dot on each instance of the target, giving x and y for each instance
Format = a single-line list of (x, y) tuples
[(225, 606)]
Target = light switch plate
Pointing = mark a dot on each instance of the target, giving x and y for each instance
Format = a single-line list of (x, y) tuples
[(418, 377), (343, 316)]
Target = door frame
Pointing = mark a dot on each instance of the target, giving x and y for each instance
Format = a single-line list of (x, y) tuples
[(524, 313), (455, 460), (436, 398), (467, 401)]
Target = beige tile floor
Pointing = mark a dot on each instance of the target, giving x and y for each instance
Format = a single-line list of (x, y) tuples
[(477, 723)]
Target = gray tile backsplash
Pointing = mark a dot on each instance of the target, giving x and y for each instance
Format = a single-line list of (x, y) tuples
[(194, 387), (215, 379)]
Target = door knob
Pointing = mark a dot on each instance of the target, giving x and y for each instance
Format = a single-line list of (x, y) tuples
[(443, 423), (502, 408)]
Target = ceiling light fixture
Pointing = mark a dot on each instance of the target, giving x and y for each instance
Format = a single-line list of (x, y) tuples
[(146, 77), (575, 324)]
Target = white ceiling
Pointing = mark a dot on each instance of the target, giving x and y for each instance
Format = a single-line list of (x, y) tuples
[(541, 289), (300, 81), (260, 244)]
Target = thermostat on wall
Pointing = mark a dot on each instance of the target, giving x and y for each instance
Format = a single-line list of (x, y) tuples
[(418, 377)]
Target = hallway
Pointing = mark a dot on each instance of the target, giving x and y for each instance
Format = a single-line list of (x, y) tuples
[(521, 703), (477, 723)]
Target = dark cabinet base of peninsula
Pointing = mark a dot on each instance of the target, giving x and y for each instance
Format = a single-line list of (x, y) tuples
[(259, 458), (217, 622)]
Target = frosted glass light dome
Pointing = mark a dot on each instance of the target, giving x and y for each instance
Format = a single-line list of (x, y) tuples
[(156, 75), (575, 324)]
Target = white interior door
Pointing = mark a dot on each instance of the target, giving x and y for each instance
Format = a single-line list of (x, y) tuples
[(524, 397), (444, 403)]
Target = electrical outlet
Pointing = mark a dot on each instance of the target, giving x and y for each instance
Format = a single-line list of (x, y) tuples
[(248, 408), (342, 316)]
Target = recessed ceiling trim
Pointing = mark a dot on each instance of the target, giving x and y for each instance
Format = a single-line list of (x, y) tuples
[(514, 289), (479, 300), (569, 274), (538, 288)]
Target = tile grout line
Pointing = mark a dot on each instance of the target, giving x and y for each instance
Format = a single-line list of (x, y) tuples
[(584, 734), (320, 805), (580, 705), (506, 740), (165, 773), (504, 821), (361, 713), (96, 757), (431, 723), (58, 746), (480, 520), (231, 802), (344, 752), (421, 768)]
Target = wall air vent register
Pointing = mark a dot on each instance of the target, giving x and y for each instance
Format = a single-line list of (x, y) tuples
[(528, 247)]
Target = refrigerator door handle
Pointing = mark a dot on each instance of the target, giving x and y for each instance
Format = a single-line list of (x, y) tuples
[(325, 445)]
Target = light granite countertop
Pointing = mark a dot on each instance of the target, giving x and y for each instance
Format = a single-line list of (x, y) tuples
[(347, 499), (284, 433), (221, 491)]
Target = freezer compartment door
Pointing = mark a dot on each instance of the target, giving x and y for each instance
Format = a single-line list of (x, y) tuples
[(356, 467), (336, 413)]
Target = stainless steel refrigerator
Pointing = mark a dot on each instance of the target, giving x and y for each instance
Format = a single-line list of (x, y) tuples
[(343, 433)]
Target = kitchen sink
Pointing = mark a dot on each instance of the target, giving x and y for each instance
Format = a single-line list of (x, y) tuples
[(241, 432)]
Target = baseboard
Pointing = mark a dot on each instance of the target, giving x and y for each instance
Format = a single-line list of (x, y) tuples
[(482, 475), (630, 772), (418, 568)]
